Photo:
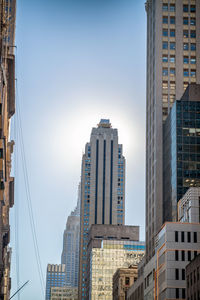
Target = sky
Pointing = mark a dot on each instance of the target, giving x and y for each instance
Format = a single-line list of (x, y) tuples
[(76, 62)]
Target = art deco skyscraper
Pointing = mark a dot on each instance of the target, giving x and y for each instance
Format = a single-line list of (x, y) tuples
[(70, 253), (173, 61), (102, 188)]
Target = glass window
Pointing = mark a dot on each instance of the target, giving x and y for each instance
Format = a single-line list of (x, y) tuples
[(192, 8), (185, 34), (185, 8), (185, 46), (165, 32), (172, 32), (172, 71), (165, 58), (172, 20), (165, 98), (193, 73), (195, 237), (193, 60), (186, 60), (165, 45), (165, 7), (193, 21), (165, 20), (172, 7), (172, 46), (176, 236), (177, 274), (193, 47), (185, 72), (185, 21), (193, 34), (165, 85), (172, 85), (165, 72), (172, 58)]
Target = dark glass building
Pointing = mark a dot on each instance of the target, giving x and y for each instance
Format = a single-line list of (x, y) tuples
[(181, 149)]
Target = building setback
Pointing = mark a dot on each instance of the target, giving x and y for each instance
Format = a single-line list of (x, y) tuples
[(70, 253), (173, 61), (102, 188), (55, 277), (7, 109), (64, 293)]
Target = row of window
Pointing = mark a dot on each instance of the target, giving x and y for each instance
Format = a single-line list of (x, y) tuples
[(172, 8), (186, 33), (172, 46), (186, 21), (177, 277), (193, 277), (181, 255), (186, 72)]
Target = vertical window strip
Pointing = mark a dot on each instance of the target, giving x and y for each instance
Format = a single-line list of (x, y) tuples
[(104, 171), (111, 180), (97, 169)]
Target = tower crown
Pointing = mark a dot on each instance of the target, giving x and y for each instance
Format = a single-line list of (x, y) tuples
[(104, 123)]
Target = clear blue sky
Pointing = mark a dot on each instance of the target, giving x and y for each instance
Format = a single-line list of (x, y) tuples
[(76, 62)]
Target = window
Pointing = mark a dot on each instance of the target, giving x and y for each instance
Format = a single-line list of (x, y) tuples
[(127, 280), (177, 293), (195, 233), (193, 74), (185, 46), (193, 47), (183, 293), (186, 60), (193, 21), (185, 34), (165, 58), (172, 20), (189, 233), (193, 34), (189, 255), (176, 254), (176, 236), (165, 98), (185, 21), (193, 60), (172, 33), (185, 8), (172, 71), (185, 72), (165, 7), (172, 87), (183, 274), (195, 253), (165, 32), (177, 274), (192, 8), (165, 20), (165, 85), (172, 58), (165, 45), (182, 237), (172, 46), (165, 72), (172, 7), (183, 255)]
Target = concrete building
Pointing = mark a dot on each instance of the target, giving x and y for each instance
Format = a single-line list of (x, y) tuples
[(70, 253), (189, 206), (7, 109), (110, 247), (173, 61), (64, 293), (102, 188), (193, 279), (181, 154), (122, 280), (55, 277)]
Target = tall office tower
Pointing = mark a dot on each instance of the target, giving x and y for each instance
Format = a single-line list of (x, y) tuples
[(7, 109), (102, 188), (173, 61), (70, 253), (55, 277)]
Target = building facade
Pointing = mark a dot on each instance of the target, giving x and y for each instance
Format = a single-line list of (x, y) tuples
[(193, 279), (55, 277), (70, 253), (7, 110), (181, 154), (173, 61), (189, 206), (102, 188), (122, 280), (64, 293)]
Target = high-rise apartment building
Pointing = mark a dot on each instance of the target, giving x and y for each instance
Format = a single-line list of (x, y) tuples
[(102, 188), (7, 109), (70, 253), (173, 61), (55, 277)]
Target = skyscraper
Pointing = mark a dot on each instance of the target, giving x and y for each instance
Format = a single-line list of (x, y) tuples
[(7, 110), (173, 61), (55, 277), (70, 253), (102, 188)]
